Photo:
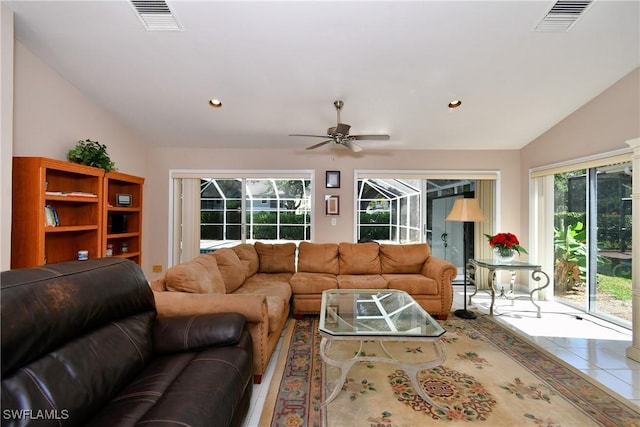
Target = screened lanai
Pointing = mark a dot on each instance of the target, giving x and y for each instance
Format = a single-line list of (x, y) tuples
[(274, 209), (390, 209)]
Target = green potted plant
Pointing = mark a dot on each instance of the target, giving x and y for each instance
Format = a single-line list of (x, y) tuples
[(91, 153)]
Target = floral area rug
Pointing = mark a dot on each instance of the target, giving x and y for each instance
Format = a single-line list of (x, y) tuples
[(491, 377)]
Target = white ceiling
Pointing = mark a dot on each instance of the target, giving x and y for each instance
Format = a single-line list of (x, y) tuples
[(278, 67)]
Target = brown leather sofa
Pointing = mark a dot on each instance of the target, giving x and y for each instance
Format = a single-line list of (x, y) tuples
[(81, 345), (250, 279), (407, 267)]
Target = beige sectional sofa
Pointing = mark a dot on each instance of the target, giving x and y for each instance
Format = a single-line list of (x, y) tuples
[(408, 267), (252, 280), (261, 280)]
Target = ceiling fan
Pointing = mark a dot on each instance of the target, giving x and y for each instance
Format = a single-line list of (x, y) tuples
[(339, 134)]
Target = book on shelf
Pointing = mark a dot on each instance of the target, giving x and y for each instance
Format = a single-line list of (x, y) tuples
[(51, 216), (70, 193)]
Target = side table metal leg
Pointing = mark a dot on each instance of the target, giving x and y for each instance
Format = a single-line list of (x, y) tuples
[(537, 276), (490, 279)]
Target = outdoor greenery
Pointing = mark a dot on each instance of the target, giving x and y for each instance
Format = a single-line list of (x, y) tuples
[(369, 229), (618, 287), (570, 255)]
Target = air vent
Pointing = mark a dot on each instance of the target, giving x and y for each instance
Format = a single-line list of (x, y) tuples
[(155, 15), (563, 15)]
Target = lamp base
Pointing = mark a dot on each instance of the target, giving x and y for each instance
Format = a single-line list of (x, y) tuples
[(464, 314)]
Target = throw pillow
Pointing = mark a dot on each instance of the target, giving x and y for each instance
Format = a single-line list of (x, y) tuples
[(276, 258)]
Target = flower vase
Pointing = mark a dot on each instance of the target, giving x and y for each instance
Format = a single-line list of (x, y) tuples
[(504, 255)]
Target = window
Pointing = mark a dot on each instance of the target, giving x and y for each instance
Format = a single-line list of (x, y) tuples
[(586, 230), (401, 207), (221, 210)]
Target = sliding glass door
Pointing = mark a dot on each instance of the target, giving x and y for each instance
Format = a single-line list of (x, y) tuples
[(592, 239), (401, 208)]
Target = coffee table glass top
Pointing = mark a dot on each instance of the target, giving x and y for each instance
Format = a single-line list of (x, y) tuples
[(375, 312)]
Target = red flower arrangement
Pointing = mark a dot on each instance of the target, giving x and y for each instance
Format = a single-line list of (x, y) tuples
[(505, 243)]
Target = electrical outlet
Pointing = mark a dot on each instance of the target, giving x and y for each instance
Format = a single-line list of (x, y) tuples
[(156, 269)]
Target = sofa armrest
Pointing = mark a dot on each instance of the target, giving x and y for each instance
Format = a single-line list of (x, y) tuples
[(175, 334), (173, 304), (440, 270)]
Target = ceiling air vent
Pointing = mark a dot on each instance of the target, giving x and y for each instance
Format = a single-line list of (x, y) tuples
[(563, 15), (155, 15)]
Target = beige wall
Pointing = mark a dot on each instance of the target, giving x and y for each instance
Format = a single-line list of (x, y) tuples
[(333, 158), (6, 132), (51, 115), (602, 125)]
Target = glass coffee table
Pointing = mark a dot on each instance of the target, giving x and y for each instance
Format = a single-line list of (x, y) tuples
[(380, 315)]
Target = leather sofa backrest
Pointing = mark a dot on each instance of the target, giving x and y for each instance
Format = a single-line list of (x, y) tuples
[(359, 258), (318, 258), (406, 258), (73, 334)]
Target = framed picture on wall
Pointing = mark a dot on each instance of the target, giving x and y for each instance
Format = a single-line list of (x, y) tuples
[(332, 205), (333, 179)]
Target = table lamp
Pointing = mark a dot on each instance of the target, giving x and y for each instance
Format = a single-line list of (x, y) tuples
[(466, 211)]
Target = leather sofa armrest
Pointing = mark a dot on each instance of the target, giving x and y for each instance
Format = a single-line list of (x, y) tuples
[(438, 269), (173, 304), (176, 334)]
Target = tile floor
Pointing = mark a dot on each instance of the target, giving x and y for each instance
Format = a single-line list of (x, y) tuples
[(593, 346)]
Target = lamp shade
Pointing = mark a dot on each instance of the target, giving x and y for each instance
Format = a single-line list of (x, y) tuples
[(466, 210)]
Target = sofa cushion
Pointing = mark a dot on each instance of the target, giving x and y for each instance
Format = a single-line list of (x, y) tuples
[(361, 281), (312, 283), (276, 257), (318, 258), (231, 268), (269, 284), (200, 276), (359, 258), (407, 258), (249, 258), (414, 284)]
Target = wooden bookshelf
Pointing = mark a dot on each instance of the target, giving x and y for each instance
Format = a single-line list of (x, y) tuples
[(74, 191), (123, 224)]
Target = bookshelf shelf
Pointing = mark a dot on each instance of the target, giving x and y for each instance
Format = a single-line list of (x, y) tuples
[(68, 228)]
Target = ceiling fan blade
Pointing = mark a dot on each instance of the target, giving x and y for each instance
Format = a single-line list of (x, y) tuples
[(371, 137), (312, 136), (319, 144), (343, 129), (352, 146)]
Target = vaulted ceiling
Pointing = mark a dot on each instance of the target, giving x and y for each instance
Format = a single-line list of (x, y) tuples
[(277, 67)]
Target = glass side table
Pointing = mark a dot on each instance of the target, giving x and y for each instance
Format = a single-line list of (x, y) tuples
[(513, 267)]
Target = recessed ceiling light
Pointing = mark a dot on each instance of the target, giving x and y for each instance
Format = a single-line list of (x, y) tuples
[(215, 103), (455, 104)]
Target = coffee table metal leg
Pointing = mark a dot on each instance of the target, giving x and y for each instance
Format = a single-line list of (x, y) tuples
[(413, 371), (343, 365)]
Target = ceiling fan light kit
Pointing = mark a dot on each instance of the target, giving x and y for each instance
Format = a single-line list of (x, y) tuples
[(339, 134)]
